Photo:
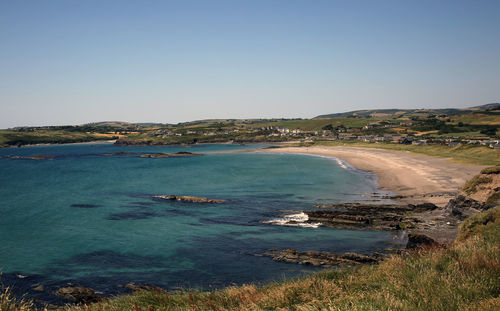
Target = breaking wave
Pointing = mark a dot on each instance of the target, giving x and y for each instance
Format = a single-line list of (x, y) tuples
[(293, 220)]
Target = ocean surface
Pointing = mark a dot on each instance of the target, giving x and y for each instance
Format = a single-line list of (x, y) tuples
[(84, 218)]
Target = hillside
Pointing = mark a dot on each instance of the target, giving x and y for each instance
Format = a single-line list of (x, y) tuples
[(400, 113), (476, 125)]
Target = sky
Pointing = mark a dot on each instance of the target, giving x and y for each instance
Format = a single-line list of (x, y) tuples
[(74, 62)]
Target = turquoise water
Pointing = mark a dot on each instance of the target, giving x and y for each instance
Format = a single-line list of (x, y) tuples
[(91, 219)]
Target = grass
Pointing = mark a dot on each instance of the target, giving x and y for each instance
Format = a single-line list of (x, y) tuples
[(318, 124), (471, 186), (470, 154), (8, 302), (491, 170), (477, 118), (12, 138)]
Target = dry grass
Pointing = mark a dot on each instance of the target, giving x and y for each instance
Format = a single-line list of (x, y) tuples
[(8, 302), (471, 186)]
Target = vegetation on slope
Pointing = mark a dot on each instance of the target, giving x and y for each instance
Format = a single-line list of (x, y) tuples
[(439, 126), (13, 138)]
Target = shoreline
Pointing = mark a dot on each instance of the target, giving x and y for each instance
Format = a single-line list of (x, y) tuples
[(52, 144), (415, 178)]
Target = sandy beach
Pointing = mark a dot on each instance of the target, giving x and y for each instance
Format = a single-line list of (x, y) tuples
[(417, 178)]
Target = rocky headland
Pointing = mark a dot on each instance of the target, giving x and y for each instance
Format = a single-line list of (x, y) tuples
[(188, 199), (35, 157), (181, 154)]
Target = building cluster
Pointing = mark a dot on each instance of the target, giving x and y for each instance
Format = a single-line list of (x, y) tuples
[(338, 133)]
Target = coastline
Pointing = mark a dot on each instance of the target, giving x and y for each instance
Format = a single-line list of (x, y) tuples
[(415, 178), (52, 144)]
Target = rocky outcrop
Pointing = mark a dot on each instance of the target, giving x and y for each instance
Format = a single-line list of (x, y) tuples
[(366, 216), (416, 241), (462, 207), (322, 259), (119, 153), (170, 155), (78, 294), (145, 142), (132, 142), (186, 198), (36, 157)]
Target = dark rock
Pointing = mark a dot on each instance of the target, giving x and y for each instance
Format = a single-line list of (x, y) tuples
[(36, 157), (146, 142), (170, 155), (416, 240), (363, 216), (155, 155), (185, 198), (422, 207), (322, 259), (118, 153), (462, 207), (79, 294), (129, 142)]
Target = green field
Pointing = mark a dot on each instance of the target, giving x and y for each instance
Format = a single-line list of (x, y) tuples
[(13, 138)]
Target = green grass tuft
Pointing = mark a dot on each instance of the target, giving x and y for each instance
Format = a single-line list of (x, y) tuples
[(471, 186), (491, 170)]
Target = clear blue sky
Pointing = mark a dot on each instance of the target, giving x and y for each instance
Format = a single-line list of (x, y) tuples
[(72, 62)]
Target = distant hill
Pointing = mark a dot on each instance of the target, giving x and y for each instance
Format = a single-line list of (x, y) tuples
[(408, 112)]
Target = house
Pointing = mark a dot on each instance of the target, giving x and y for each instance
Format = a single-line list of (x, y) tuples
[(408, 140), (420, 142)]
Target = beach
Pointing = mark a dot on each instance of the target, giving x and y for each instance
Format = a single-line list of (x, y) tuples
[(416, 178)]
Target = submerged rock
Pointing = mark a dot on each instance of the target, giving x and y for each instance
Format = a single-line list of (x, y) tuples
[(322, 259), (170, 155), (119, 153), (185, 198), (79, 294), (36, 157)]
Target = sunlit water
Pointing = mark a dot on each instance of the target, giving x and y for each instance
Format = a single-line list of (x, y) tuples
[(90, 219)]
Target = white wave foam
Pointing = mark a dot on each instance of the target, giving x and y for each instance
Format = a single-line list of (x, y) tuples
[(293, 220)]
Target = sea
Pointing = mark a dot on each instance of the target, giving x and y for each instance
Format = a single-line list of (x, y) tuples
[(87, 218)]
